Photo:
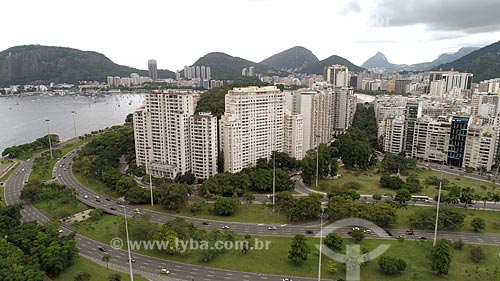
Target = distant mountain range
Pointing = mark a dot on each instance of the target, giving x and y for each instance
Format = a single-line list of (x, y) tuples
[(224, 66), (379, 61), (483, 63), (294, 59), (36, 64)]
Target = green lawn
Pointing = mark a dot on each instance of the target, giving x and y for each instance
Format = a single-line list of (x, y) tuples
[(258, 213), (94, 185), (59, 208), (492, 218), (6, 176), (42, 168), (97, 272), (2, 202), (276, 262), (370, 182)]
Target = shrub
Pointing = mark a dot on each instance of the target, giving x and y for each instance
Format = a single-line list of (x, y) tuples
[(334, 242), (476, 253), (391, 265), (352, 185), (458, 245)]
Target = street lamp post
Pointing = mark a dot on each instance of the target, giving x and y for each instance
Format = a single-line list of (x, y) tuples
[(322, 216), (317, 161), (438, 202), (50, 142), (128, 245), (74, 122)]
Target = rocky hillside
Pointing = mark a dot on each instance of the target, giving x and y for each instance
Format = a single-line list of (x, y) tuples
[(34, 64)]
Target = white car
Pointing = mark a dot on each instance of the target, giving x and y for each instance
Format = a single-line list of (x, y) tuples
[(60, 231), (86, 196)]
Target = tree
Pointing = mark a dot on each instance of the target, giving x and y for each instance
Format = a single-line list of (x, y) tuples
[(298, 250), (197, 206), (334, 242), (476, 253), (441, 256), (172, 196), (106, 258), (377, 197), (348, 194), (82, 276), (226, 184), (137, 195), (357, 235), (412, 183), (114, 277), (306, 207), (327, 163), (226, 206), (458, 244), (449, 218), (380, 214), (391, 265), (478, 224), (402, 196), (249, 197), (468, 196), (392, 182)]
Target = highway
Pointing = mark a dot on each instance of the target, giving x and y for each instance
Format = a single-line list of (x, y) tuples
[(146, 266), (150, 267)]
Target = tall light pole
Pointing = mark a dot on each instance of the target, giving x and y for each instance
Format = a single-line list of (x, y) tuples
[(50, 142), (317, 161), (148, 148), (322, 216), (128, 245), (74, 122), (438, 202)]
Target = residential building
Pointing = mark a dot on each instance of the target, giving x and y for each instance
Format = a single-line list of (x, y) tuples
[(169, 139), (294, 127), (337, 75), (413, 110), (479, 147), (393, 135), (152, 69), (458, 137), (252, 126)]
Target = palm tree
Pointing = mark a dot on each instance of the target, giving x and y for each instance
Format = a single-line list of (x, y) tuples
[(106, 258), (82, 276), (495, 197)]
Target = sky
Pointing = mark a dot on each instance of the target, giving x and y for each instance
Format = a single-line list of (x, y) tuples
[(177, 33)]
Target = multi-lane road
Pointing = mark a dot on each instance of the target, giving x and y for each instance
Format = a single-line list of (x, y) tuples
[(150, 267)]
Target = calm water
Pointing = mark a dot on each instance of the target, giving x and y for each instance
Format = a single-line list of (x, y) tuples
[(22, 119)]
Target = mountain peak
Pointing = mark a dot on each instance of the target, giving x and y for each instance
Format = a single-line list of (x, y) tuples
[(294, 58), (379, 60)]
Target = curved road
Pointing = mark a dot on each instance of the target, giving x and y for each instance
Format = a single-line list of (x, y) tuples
[(146, 266)]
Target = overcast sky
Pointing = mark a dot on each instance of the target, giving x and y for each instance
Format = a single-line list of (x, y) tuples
[(177, 33)]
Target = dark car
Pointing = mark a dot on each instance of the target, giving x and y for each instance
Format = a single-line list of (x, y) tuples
[(410, 232), (101, 249), (132, 260), (422, 238), (205, 223), (107, 199), (113, 208), (309, 232), (388, 233)]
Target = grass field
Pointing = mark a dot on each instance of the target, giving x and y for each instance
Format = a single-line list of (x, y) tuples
[(43, 170), (97, 272), (258, 213), (369, 181), (96, 186), (276, 261), (491, 218), (6, 176)]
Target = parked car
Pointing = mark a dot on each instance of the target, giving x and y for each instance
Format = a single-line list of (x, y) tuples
[(309, 231), (101, 249), (164, 271)]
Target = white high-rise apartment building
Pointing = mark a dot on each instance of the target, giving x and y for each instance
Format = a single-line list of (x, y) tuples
[(203, 142), (480, 147), (209, 73), (393, 134), (337, 75), (164, 134), (252, 126), (294, 127)]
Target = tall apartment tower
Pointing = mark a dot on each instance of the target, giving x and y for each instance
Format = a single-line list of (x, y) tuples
[(252, 126), (209, 72), (203, 144), (343, 109), (152, 69), (458, 138), (337, 75), (167, 139), (412, 111)]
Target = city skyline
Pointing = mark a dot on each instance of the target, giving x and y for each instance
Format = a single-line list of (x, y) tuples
[(406, 32)]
